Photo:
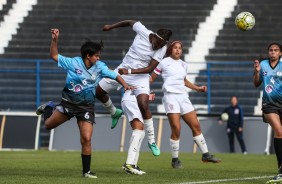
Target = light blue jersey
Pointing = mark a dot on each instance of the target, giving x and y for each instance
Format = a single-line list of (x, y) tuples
[(81, 82), (272, 83)]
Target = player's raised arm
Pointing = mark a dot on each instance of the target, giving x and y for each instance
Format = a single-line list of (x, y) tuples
[(124, 23), (54, 44)]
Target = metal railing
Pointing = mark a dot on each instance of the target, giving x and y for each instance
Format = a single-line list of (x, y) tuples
[(209, 72)]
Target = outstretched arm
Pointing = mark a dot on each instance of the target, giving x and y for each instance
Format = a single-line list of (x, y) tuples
[(195, 87), (124, 23), (153, 64), (256, 77), (54, 44)]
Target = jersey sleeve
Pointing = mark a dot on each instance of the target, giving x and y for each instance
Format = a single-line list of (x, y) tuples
[(106, 72), (159, 54), (158, 69), (64, 62), (139, 27)]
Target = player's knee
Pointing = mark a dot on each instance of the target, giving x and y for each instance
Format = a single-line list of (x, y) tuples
[(101, 94), (48, 126), (85, 141), (278, 134)]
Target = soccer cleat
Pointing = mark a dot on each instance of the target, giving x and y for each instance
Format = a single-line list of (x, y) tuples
[(276, 179), (89, 174), (139, 169), (41, 109), (131, 169), (116, 117), (176, 164), (154, 148), (210, 158)]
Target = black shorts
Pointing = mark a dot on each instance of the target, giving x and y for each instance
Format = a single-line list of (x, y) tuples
[(268, 108), (81, 112)]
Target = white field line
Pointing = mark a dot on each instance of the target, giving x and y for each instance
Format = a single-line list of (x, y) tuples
[(227, 180)]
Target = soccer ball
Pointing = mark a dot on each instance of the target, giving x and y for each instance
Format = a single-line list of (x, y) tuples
[(245, 21), (224, 116)]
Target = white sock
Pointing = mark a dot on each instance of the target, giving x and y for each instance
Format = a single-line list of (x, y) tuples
[(138, 148), (201, 142), (133, 146), (109, 106), (149, 127), (174, 145)]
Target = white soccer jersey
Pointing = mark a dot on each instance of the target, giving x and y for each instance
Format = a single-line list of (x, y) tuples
[(140, 52), (173, 73)]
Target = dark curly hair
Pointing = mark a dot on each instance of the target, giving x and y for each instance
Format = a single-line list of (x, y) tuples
[(91, 48)]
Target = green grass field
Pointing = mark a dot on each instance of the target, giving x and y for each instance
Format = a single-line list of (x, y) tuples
[(65, 167)]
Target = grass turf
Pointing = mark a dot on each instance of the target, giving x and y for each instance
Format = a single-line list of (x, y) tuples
[(46, 167)]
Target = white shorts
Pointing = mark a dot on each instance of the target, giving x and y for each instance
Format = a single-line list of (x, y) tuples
[(177, 103), (139, 81), (109, 85), (130, 107)]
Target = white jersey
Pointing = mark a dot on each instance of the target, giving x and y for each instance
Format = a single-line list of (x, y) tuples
[(173, 73), (141, 52)]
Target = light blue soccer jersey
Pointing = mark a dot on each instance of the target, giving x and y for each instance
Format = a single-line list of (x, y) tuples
[(272, 83), (81, 82)]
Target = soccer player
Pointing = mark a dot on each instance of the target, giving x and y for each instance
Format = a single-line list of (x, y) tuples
[(235, 124), (269, 73), (78, 95), (134, 117), (146, 51), (177, 104)]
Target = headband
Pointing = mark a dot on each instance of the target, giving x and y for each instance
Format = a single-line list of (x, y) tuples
[(160, 37)]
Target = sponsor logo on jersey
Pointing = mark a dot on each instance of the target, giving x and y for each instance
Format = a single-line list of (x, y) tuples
[(268, 88), (77, 88), (78, 71)]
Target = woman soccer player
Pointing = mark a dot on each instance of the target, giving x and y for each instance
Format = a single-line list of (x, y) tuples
[(78, 96), (146, 51), (269, 73), (177, 104)]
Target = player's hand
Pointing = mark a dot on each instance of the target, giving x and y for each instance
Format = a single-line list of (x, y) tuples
[(123, 71), (107, 27), (240, 129), (129, 88), (55, 34), (202, 89), (152, 96), (256, 66)]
